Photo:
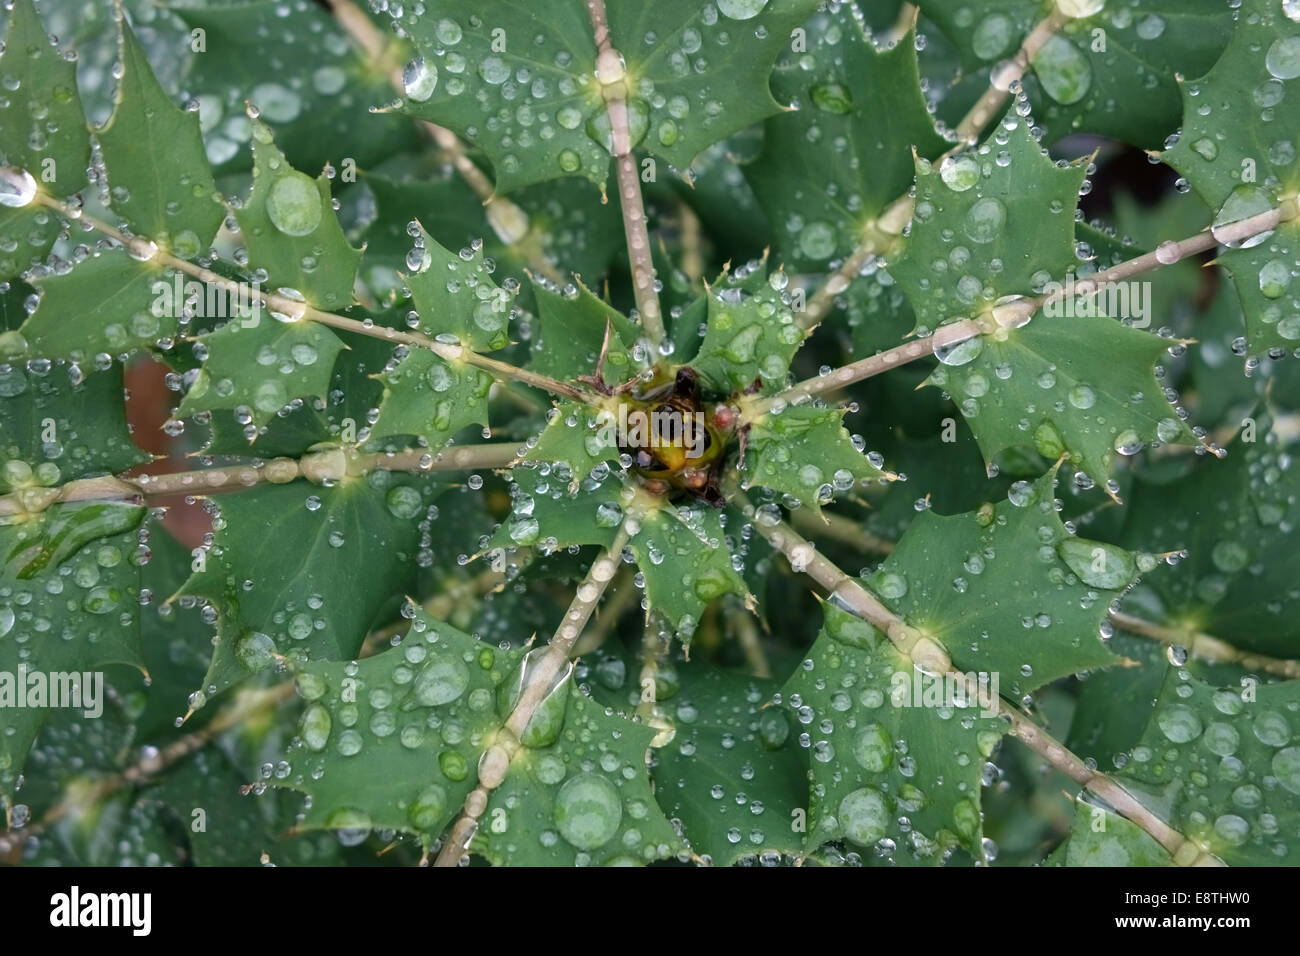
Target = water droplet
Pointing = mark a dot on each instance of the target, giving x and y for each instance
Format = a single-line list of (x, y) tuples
[(588, 811), (294, 204), (419, 79), (864, 816)]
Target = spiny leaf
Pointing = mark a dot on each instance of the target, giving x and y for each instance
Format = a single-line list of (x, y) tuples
[(1102, 838), (583, 800), (291, 230), (1007, 590), (394, 741), (751, 335), (573, 331), (733, 772), (878, 755), (293, 61), (455, 294), (258, 370), (1225, 764), (989, 222), (117, 302), (577, 438), (1235, 518), (805, 452), (534, 75), (683, 554), (43, 130), (1109, 72), (355, 551), (1237, 152), (431, 399), (830, 168), (1079, 386), (168, 197)]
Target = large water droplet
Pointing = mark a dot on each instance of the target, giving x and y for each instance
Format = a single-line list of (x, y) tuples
[(1063, 70), (419, 79), (588, 811), (864, 816), (294, 204)]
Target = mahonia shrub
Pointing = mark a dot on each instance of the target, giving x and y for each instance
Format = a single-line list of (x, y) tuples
[(690, 432)]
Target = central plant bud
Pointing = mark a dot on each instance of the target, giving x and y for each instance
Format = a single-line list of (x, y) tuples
[(674, 440)]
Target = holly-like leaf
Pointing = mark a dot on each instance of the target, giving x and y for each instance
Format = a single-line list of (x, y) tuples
[(261, 369), (394, 741), (118, 306), (990, 222), (533, 74), (578, 439), (751, 335), (1007, 590), (1236, 150), (292, 231), (573, 331), (44, 129), (683, 554), (425, 395), (1233, 518), (168, 197), (27, 234), (296, 64), (1081, 386), (879, 753), (1110, 71), (354, 550), (806, 452), (1102, 838), (733, 772), (583, 800), (1226, 765), (830, 167)]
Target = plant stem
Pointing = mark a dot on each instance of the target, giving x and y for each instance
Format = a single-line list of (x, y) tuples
[(925, 652), (1206, 647), (495, 762), (1007, 75), (299, 311), (1019, 311), (205, 481), (612, 75)]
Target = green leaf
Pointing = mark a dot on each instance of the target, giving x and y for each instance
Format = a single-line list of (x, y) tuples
[(454, 295), (989, 222), (297, 65), (533, 74), (394, 741), (166, 196), (573, 330), (830, 167), (1078, 386), (1236, 151), (117, 303), (291, 230), (878, 755), (258, 370), (1007, 590), (27, 234), (44, 129), (52, 431), (682, 552), (1224, 767), (1102, 838), (1235, 519), (353, 550), (68, 607), (1111, 73), (733, 772), (584, 800), (806, 452), (576, 439), (751, 335)]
